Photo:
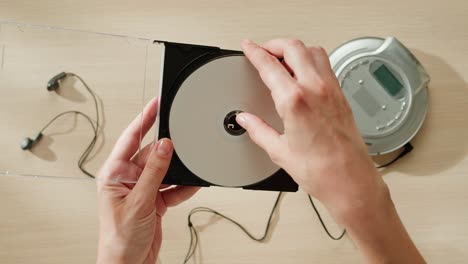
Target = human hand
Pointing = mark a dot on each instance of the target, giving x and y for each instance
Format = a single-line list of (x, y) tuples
[(130, 214), (321, 147)]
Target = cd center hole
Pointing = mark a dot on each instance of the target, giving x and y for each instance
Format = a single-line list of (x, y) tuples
[(230, 124)]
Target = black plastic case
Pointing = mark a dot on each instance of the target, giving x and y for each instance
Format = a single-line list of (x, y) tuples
[(180, 60)]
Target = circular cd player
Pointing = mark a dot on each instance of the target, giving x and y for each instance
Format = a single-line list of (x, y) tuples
[(386, 87)]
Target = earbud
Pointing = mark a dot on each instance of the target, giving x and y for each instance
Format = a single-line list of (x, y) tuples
[(28, 143), (54, 83)]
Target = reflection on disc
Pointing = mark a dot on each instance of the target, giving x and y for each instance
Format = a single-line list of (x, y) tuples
[(201, 114)]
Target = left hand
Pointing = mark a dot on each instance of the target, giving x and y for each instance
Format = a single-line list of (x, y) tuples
[(130, 214)]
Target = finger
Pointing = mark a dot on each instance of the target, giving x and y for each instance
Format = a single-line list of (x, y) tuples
[(142, 156), (162, 187), (321, 60), (273, 73), (118, 173), (155, 169), (285, 65), (129, 141), (327, 75), (260, 132), (295, 54), (178, 194), (310, 65), (320, 56)]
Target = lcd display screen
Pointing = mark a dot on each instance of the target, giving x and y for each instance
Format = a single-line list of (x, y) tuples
[(386, 78)]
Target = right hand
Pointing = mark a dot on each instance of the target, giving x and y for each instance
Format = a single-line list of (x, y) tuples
[(321, 147)]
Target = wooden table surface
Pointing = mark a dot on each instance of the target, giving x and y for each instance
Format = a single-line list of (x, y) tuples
[(54, 219)]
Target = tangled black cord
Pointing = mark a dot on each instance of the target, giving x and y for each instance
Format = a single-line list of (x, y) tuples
[(89, 149), (194, 233), (407, 148), (91, 144), (323, 223), (84, 156)]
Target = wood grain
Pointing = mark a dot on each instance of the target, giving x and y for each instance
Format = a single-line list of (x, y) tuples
[(54, 220)]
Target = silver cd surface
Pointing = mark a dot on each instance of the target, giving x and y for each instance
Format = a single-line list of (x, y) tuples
[(197, 123)]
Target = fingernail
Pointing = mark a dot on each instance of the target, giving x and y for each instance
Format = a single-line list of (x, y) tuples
[(163, 148), (240, 118)]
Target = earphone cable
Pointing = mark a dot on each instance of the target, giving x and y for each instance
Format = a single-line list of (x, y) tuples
[(62, 114), (96, 128), (90, 145), (407, 148), (93, 95), (323, 223), (194, 234)]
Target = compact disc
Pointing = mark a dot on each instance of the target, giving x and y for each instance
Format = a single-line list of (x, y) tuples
[(201, 122)]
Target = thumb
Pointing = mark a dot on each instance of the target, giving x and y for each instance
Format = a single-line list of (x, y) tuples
[(155, 170), (260, 132)]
